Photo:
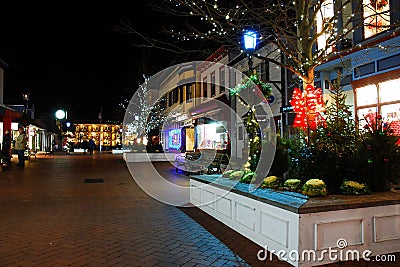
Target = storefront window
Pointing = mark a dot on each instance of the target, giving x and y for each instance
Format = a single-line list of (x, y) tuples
[(376, 15), (389, 90), (388, 106), (211, 136), (323, 18), (174, 138), (367, 95)]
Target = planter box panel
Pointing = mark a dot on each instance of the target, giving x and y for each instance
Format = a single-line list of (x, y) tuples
[(208, 199), (245, 215), (328, 233), (274, 228), (195, 194), (386, 228), (224, 206)]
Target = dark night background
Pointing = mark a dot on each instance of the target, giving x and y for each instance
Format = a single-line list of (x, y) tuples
[(71, 56)]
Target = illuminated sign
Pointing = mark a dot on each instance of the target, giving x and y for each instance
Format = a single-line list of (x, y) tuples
[(174, 138)]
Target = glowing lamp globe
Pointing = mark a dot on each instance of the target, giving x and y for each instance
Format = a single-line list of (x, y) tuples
[(250, 40), (60, 114)]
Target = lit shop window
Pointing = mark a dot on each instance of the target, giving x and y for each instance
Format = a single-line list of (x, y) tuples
[(174, 138), (376, 16), (389, 90), (367, 95), (387, 106), (211, 136)]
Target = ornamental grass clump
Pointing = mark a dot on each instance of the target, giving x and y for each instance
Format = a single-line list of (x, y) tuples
[(270, 182), (292, 185), (315, 188), (236, 175), (226, 174), (354, 188)]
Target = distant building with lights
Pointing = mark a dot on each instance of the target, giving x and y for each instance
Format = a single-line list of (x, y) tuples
[(105, 135)]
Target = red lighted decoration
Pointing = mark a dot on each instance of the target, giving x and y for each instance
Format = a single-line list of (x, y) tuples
[(307, 105)]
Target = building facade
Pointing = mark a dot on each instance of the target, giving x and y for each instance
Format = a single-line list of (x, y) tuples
[(367, 67)]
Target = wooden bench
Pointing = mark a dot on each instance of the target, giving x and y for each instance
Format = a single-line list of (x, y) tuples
[(207, 161), (182, 162), (219, 164), (5, 161)]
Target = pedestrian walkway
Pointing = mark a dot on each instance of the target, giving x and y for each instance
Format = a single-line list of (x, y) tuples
[(86, 210)]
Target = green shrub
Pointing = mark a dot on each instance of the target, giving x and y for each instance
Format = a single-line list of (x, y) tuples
[(247, 177)]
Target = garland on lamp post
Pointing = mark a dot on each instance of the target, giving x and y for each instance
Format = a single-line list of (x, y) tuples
[(251, 123)]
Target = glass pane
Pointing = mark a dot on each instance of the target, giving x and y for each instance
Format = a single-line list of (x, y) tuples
[(323, 18), (367, 116), (376, 23), (367, 95), (389, 90), (391, 117)]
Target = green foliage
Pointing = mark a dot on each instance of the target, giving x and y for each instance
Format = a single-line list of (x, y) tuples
[(280, 164), (341, 152), (377, 158), (253, 132), (247, 177), (336, 141), (249, 82), (329, 157)]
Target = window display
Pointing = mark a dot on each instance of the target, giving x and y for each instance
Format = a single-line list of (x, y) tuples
[(387, 106), (376, 16), (211, 136), (174, 138)]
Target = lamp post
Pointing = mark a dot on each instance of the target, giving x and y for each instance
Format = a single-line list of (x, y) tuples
[(60, 115), (250, 43), (25, 97)]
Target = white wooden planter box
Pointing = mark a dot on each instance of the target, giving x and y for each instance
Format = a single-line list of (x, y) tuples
[(80, 150), (147, 157), (120, 151), (294, 227)]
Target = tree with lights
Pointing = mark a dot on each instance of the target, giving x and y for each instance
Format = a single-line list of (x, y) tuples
[(149, 117)]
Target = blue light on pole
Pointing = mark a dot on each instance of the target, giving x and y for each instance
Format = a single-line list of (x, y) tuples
[(250, 40)]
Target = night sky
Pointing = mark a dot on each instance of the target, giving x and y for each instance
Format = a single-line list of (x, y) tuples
[(71, 56)]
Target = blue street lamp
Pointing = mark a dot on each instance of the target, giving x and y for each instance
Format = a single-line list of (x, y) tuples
[(250, 42)]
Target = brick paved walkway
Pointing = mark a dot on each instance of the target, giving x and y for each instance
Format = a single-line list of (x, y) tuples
[(49, 216)]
